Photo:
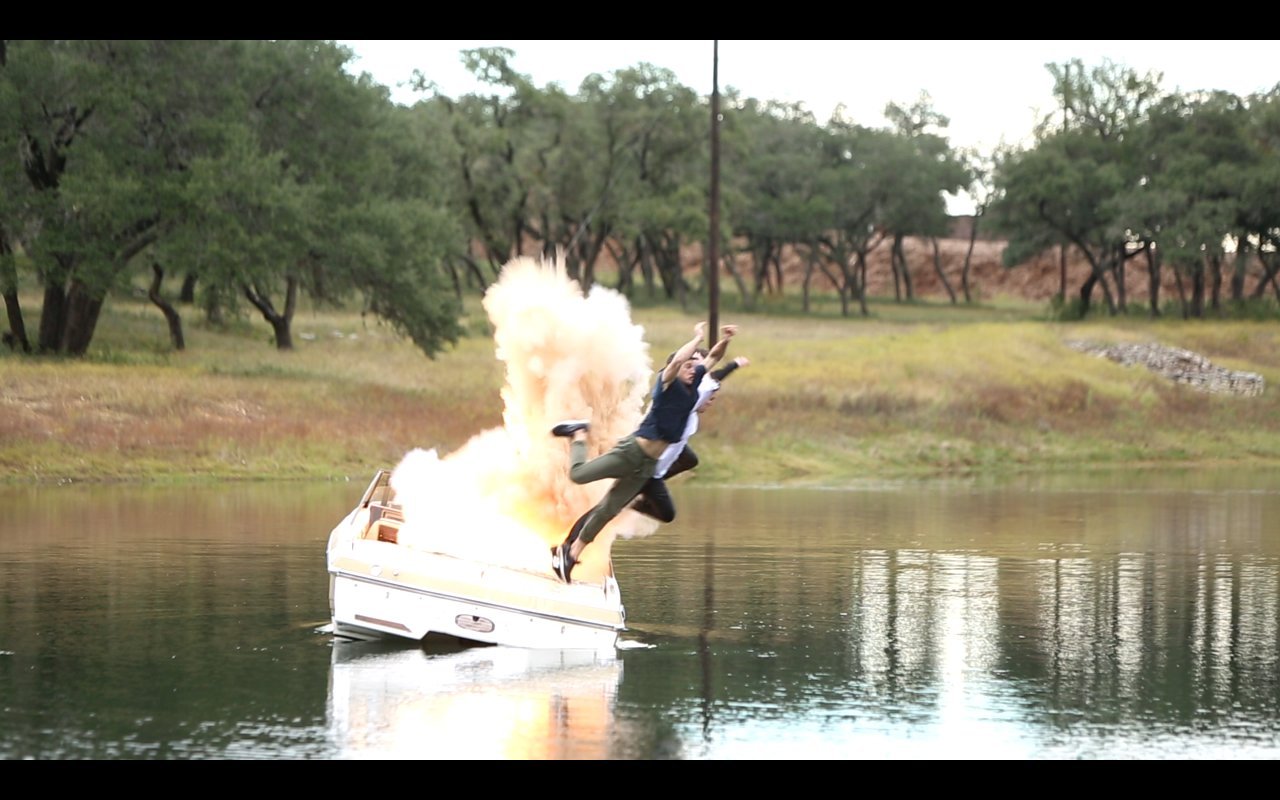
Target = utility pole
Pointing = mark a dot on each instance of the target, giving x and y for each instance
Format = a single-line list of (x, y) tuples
[(713, 246)]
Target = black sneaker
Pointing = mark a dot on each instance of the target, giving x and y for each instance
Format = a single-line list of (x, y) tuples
[(570, 426), (568, 561), (561, 562)]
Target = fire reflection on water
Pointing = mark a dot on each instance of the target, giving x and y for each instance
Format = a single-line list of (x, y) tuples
[(388, 701)]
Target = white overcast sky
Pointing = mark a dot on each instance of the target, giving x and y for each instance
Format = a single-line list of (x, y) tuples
[(991, 90)]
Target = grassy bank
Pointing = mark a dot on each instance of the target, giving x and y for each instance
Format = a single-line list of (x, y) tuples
[(915, 390)]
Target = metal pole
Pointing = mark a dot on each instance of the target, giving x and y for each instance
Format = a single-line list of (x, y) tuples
[(713, 248)]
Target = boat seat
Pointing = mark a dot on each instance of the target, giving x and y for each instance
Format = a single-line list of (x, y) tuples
[(385, 530)]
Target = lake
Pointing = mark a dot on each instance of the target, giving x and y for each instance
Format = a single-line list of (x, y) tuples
[(1125, 615)]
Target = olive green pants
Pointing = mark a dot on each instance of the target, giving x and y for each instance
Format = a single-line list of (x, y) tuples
[(627, 463)]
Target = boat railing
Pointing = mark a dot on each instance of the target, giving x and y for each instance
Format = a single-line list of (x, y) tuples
[(379, 490)]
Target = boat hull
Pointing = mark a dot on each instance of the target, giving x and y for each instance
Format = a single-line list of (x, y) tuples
[(380, 589)]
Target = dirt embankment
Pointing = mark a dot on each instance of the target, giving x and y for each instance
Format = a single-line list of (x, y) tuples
[(1039, 279)]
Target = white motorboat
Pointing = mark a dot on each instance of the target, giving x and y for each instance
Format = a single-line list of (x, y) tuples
[(380, 587)]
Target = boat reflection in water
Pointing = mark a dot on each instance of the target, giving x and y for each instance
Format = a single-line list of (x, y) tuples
[(447, 700)]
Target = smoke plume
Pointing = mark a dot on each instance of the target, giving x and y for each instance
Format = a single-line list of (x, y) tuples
[(505, 496)]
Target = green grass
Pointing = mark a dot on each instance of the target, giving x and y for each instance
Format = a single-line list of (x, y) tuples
[(917, 389)]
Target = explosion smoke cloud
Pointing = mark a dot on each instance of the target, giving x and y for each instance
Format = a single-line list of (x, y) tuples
[(505, 496)]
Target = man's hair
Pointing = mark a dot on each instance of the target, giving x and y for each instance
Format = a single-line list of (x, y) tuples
[(697, 351)]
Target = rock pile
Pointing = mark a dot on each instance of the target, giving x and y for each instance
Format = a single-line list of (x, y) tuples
[(1178, 365)]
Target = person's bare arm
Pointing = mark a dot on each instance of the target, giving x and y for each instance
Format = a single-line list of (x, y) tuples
[(716, 353), (682, 355)]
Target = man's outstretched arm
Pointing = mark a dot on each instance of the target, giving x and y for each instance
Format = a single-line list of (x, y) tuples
[(727, 369), (717, 351), (682, 355)]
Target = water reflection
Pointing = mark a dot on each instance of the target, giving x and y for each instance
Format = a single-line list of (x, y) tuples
[(446, 701), (1055, 622), (1040, 619)]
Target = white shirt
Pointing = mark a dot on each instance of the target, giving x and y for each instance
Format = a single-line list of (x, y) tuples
[(668, 457)]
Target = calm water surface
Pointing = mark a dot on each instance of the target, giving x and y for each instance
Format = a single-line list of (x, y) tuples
[(1073, 617)]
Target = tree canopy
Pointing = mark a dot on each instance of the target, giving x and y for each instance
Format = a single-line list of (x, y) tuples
[(264, 171)]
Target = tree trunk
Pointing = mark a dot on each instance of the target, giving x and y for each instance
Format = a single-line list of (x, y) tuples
[(51, 316), (809, 265), (968, 260), (81, 319), (1197, 291), (284, 335), (1182, 293), (937, 266), (170, 315), (1153, 281), (897, 280), (188, 293), (591, 253), (1238, 274), (1086, 292), (1107, 294), (759, 269), (279, 322), (626, 264), (214, 306), (646, 263), (732, 269), (16, 336), (1215, 272), (899, 259), (841, 280), (474, 275), (666, 252), (451, 265), (906, 273), (1268, 276), (1097, 274), (1062, 273), (1122, 298), (860, 282)]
